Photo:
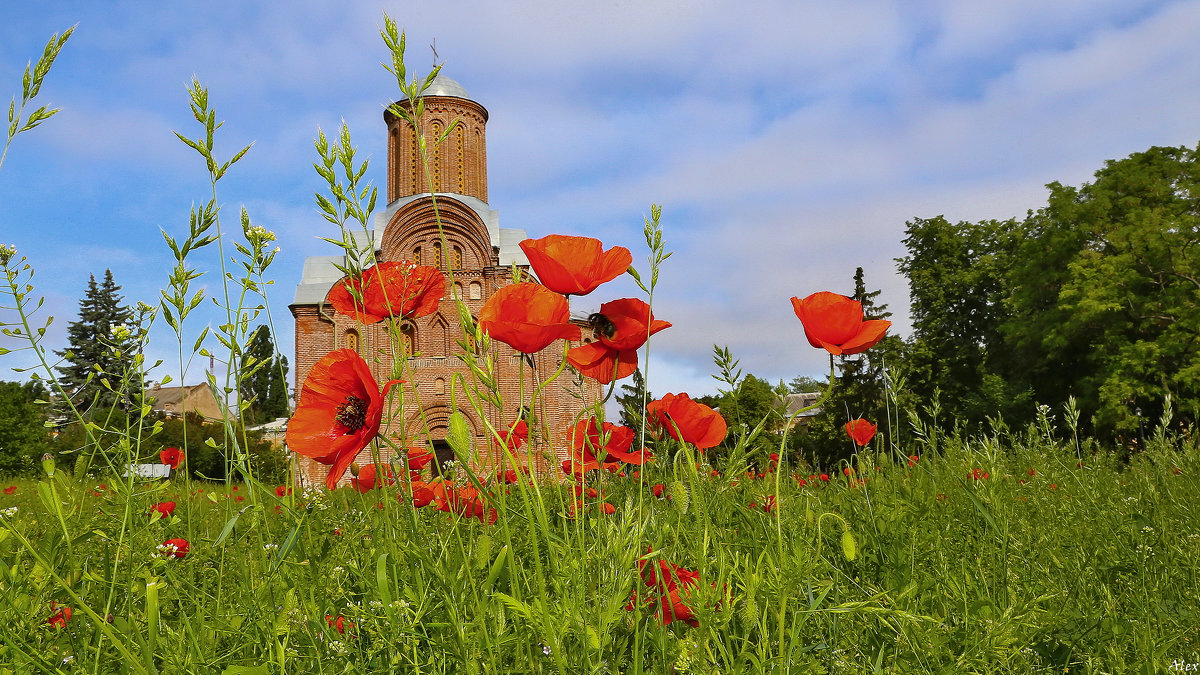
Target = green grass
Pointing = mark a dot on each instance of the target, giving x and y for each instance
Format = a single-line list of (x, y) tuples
[(1084, 569)]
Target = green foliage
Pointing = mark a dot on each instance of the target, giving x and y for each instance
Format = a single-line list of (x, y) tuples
[(264, 379), (100, 347), (957, 284), (23, 433), (1111, 281), (920, 567), (633, 399)]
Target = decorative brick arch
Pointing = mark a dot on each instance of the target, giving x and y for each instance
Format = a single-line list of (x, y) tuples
[(414, 226), (437, 416)]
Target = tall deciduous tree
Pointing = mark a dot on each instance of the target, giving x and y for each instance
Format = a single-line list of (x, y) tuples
[(1105, 290), (264, 378), (957, 284), (100, 346)]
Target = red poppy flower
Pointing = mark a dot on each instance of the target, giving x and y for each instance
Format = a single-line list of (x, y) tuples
[(835, 323), (341, 624), (419, 458), (10, 489), (373, 476), (422, 495), (848, 471), (391, 289), (164, 508), (507, 477), (861, 431), (621, 328), (657, 490), (617, 442), (608, 509), (176, 548), (824, 478), (583, 440), (912, 460), (527, 317), (283, 491), (979, 474), (172, 457), (670, 584), (687, 420), (339, 412), (602, 364), (516, 436), (60, 617), (574, 265)]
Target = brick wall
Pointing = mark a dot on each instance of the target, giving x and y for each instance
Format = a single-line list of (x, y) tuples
[(422, 415)]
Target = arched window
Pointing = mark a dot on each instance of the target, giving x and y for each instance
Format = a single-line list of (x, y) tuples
[(455, 258), (435, 162), (408, 335), (476, 290), (439, 387), (352, 339), (417, 255), (437, 255), (471, 344)]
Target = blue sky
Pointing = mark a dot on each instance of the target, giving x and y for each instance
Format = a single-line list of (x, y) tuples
[(788, 142)]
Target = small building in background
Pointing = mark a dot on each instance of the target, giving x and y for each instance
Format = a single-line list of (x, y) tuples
[(795, 402), (175, 401)]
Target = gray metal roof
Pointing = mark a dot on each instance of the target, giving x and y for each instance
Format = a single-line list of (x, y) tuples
[(444, 86)]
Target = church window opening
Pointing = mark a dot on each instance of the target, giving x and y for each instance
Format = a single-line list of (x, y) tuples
[(439, 387), (462, 172), (352, 339), (442, 454), (435, 162), (408, 337), (471, 345), (455, 258), (476, 290), (437, 256), (417, 255)]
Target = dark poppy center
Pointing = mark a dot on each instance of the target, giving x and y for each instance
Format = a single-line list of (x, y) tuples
[(352, 413)]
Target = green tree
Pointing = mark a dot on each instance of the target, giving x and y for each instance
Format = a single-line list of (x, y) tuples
[(264, 379), (1105, 288), (803, 384), (100, 344), (957, 285), (23, 434), (633, 399), (859, 388), (749, 403)]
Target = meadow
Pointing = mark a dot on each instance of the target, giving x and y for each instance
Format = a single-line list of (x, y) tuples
[(992, 554), (1020, 550)]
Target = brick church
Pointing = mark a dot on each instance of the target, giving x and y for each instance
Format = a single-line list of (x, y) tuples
[(480, 253)]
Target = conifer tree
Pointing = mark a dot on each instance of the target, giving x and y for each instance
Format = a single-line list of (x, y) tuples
[(859, 388), (633, 401), (264, 379), (93, 345)]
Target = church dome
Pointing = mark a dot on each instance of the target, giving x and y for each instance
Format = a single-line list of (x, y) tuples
[(444, 86)]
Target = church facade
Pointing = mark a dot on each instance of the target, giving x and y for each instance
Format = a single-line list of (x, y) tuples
[(477, 256)]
